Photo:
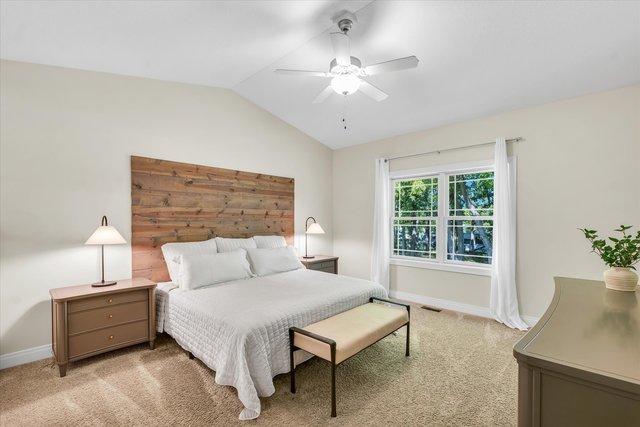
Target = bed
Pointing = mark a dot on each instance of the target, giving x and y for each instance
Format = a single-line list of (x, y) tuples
[(237, 328), (240, 329)]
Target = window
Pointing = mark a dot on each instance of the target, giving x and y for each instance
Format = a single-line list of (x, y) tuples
[(470, 217), (443, 218), (416, 212)]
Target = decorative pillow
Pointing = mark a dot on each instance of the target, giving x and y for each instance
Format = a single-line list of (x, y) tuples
[(267, 242), (227, 245), (173, 251), (197, 271), (273, 260)]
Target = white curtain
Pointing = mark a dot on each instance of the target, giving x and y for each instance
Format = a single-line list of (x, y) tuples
[(381, 242), (504, 295)]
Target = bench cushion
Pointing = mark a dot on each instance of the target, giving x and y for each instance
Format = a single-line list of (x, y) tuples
[(352, 330)]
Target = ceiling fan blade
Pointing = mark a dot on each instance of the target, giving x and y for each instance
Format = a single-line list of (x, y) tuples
[(323, 95), (372, 91), (340, 43), (393, 65), (302, 73)]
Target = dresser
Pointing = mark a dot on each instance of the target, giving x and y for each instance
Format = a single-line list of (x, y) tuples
[(580, 364), (326, 263), (87, 321)]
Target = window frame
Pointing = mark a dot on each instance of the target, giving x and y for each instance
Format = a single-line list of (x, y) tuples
[(441, 172)]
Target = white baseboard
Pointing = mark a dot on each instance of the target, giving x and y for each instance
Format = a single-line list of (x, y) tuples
[(25, 356), (444, 304)]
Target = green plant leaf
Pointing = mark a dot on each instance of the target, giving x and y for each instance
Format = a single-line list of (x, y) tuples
[(624, 251)]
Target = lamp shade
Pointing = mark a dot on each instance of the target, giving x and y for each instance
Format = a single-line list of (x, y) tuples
[(315, 229), (105, 235)]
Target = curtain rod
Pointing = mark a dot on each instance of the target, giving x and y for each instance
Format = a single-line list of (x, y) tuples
[(426, 153)]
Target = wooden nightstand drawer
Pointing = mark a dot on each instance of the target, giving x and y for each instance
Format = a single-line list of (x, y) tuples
[(107, 300), (327, 264), (323, 265), (102, 339), (88, 320)]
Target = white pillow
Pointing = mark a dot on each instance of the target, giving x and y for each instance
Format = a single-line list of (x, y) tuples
[(197, 271), (267, 242), (273, 260), (228, 245), (173, 251)]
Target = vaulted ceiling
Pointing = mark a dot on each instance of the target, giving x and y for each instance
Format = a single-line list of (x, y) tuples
[(476, 58)]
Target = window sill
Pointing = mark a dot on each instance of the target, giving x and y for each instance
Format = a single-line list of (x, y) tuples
[(456, 268)]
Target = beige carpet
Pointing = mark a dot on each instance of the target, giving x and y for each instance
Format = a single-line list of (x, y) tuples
[(461, 372)]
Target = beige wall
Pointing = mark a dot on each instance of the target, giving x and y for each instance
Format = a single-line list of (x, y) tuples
[(65, 144), (578, 167)]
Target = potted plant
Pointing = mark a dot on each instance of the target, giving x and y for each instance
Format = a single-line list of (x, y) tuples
[(620, 255)]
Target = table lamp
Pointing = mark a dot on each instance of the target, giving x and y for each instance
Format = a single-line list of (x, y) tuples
[(105, 235), (314, 228)]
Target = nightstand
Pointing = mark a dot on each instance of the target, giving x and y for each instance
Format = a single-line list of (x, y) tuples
[(326, 263), (87, 321)]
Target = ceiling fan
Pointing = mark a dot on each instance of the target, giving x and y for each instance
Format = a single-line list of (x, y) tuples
[(346, 72)]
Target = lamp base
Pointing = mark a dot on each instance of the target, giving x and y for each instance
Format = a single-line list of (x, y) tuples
[(308, 257), (100, 284)]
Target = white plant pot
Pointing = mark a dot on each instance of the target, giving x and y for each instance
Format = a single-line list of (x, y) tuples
[(621, 279)]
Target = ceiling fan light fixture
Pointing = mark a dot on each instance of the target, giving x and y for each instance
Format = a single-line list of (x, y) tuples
[(346, 84), (346, 71)]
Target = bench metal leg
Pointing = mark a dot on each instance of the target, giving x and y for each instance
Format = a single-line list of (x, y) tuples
[(333, 390), (292, 366), (406, 353), (333, 380)]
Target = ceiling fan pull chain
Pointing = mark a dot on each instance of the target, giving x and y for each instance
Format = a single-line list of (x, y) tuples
[(343, 120)]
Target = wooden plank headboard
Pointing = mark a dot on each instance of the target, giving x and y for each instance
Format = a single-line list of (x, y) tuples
[(180, 202)]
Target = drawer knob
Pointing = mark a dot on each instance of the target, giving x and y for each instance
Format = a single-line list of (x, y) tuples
[(110, 300), (110, 337), (110, 316)]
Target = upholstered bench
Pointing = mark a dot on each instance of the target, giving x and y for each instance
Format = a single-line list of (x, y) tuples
[(338, 338)]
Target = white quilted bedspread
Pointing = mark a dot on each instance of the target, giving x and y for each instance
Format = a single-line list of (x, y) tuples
[(240, 329)]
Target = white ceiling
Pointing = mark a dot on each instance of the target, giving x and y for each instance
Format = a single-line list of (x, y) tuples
[(476, 58), (214, 43)]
